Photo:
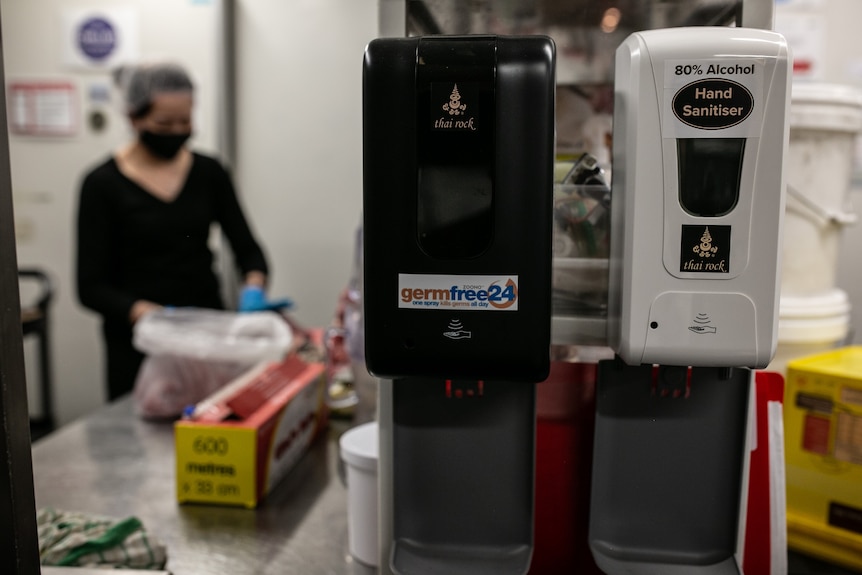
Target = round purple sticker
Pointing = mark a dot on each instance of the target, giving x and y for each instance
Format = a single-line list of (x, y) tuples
[(97, 38)]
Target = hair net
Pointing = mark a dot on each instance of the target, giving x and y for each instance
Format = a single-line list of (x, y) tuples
[(138, 84)]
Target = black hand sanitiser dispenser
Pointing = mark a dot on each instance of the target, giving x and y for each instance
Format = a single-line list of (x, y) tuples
[(458, 161), (457, 205)]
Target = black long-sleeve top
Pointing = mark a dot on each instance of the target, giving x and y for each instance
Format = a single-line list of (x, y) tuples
[(133, 245)]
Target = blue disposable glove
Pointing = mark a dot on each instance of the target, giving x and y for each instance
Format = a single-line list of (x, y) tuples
[(252, 298)]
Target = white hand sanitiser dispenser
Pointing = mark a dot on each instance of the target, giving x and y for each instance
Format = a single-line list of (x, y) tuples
[(698, 196), (700, 133)]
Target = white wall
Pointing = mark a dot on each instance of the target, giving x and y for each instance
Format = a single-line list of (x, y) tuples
[(299, 146), (46, 171)]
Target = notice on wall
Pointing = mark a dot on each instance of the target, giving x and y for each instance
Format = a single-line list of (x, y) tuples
[(804, 31), (99, 39), (43, 108)]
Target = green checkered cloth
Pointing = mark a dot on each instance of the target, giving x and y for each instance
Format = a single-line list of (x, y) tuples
[(81, 540)]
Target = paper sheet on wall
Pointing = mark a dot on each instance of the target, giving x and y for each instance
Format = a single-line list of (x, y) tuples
[(46, 108)]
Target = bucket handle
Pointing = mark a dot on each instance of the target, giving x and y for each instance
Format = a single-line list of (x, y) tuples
[(819, 213)]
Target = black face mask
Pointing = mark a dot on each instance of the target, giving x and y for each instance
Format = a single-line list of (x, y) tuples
[(164, 145)]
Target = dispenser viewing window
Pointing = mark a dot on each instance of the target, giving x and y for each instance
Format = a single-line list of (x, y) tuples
[(698, 197), (709, 175)]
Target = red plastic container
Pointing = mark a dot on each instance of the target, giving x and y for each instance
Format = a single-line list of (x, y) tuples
[(565, 417)]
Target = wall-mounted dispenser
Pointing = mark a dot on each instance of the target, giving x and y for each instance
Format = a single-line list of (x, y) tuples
[(700, 132), (698, 201), (457, 178), (458, 182)]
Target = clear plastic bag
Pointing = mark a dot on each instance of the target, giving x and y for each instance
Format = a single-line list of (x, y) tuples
[(166, 384), (213, 334), (192, 352)]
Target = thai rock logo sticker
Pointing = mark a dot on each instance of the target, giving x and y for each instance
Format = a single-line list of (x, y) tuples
[(454, 107), (705, 249)]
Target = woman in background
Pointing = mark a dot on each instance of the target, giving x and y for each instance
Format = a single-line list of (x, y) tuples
[(144, 220)]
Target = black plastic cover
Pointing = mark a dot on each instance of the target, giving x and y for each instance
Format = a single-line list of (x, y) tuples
[(458, 183)]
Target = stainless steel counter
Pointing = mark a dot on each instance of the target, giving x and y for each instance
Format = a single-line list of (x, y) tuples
[(113, 463)]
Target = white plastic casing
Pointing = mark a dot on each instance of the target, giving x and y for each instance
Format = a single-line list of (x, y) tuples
[(672, 301)]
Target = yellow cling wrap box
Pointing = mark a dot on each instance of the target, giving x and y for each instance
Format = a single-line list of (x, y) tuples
[(823, 440), (241, 442)]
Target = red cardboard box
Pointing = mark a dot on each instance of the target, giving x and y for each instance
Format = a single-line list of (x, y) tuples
[(239, 443)]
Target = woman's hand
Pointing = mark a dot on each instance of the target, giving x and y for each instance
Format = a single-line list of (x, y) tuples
[(141, 308), (255, 278), (252, 296)]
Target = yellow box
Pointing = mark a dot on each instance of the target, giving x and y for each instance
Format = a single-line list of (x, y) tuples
[(247, 440), (823, 445)]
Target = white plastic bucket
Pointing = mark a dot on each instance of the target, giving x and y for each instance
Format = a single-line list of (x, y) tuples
[(359, 449), (824, 122), (810, 325)]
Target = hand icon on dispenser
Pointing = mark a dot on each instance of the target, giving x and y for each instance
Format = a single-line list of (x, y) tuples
[(703, 329), (456, 332), (461, 334)]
